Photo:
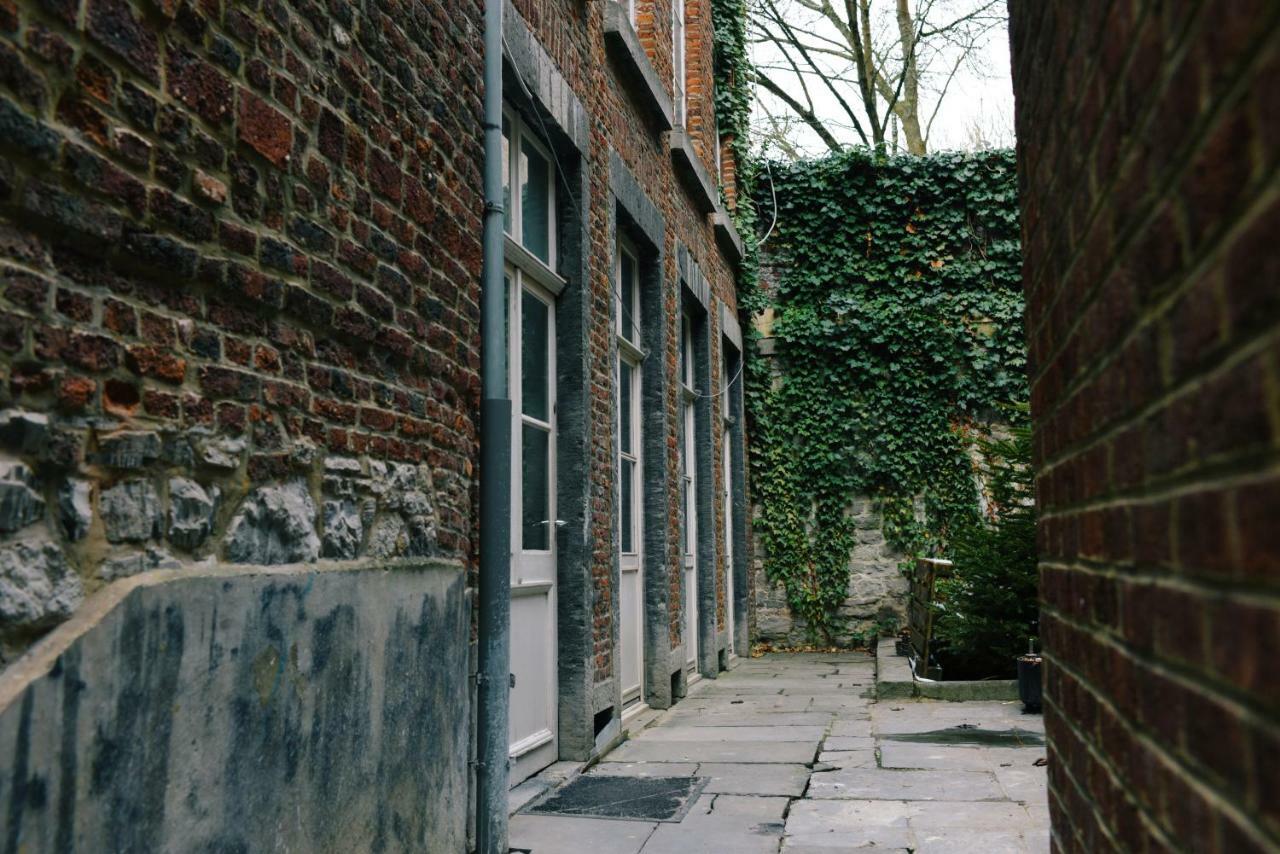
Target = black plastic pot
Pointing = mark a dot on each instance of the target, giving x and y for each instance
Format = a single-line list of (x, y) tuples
[(1029, 682)]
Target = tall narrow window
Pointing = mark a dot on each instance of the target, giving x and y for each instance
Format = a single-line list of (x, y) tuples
[(528, 190), (630, 482), (688, 496), (678, 59)]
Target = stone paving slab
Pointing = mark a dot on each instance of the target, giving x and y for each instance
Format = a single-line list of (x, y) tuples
[(790, 752), (647, 769), (849, 742), (708, 718), (847, 758), (904, 824), (884, 784), (845, 727), (719, 824), (672, 732), (739, 779), (895, 754), (907, 716), (755, 731), (565, 835)]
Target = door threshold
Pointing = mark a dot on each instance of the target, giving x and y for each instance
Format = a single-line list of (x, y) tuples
[(629, 713)]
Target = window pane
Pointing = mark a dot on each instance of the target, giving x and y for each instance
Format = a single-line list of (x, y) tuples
[(688, 516), (627, 295), (624, 405), (506, 330), (625, 521), (535, 496), (535, 202), (535, 400), (686, 354), (507, 213)]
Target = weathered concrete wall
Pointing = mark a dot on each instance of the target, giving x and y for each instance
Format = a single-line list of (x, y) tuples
[(877, 588), (290, 709)]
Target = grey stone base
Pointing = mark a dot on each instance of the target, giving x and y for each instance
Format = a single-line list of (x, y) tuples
[(235, 709), (895, 680)]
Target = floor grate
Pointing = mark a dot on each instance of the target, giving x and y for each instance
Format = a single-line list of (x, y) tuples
[(619, 797)]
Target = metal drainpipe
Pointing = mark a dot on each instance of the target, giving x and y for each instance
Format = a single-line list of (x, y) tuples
[(494, 629)]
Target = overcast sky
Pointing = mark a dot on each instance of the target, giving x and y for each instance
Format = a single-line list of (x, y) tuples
[(980, 97)]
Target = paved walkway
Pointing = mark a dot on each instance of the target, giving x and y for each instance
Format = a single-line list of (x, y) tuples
[(801, 761)]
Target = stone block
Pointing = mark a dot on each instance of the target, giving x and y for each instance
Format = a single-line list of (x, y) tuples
[(191, 510), (130, 511), (37, 585), (274, 525)]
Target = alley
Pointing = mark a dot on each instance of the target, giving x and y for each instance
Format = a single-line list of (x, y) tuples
[(798, 757)]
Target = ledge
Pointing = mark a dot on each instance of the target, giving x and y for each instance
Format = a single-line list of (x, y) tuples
[(638, 73), (690, 170), (896, 679), (727, 236)]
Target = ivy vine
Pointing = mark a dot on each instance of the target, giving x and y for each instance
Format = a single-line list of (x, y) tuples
[(897, 332), (734, 78)]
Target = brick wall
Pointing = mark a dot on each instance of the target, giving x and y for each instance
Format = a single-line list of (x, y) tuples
[(1149, 136), (572, 34), (239, 264)]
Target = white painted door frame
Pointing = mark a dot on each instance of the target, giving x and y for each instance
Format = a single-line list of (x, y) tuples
[(689, 499), (726, 446), (630, 491), (534, 700)]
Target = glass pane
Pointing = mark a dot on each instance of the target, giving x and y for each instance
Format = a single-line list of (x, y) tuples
[(686, 503), (506, 331), (534, 391), (625, 521), (624, 405), (535, 496), (630, 305), (507, 212), (535, 202)]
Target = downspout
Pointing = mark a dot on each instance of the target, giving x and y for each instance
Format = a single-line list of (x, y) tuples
[(494, 629)]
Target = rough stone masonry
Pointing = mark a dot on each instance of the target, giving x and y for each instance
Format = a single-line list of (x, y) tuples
[(238, 248)]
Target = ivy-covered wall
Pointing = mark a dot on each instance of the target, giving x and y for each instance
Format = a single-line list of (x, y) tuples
[(889, 335)]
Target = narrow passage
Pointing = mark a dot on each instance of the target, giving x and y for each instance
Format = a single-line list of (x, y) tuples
[(790, 753)]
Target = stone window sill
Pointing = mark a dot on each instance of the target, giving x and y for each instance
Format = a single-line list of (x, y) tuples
[(638, 73), (727, 237), (690, 170)]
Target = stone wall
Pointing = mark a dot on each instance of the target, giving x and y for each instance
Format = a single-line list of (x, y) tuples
[(877, 589), (303, 709), (239, 267), (1149, 141), (239, 254)]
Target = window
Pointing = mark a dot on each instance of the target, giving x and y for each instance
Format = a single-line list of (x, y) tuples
[(528, 190), (687, 397), (630, 356), (678, 59)]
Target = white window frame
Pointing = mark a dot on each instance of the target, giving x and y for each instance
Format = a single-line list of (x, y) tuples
[(629, 351), (519, 134)]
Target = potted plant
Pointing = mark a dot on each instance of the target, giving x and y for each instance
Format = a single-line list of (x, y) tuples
[(1029, 686)]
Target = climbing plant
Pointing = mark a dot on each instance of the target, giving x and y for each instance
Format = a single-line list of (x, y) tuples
[(734, 78), (897, 327)]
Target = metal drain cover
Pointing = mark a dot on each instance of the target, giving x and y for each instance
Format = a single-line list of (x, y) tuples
[(618, 797)]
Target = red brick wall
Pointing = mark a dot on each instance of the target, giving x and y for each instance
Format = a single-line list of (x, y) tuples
[(572, 33), (1149, 137), (253, 221)]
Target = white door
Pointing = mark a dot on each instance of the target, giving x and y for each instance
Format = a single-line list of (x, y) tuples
[(531, 329), (688, 501), (630, 486), (726, 445)]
